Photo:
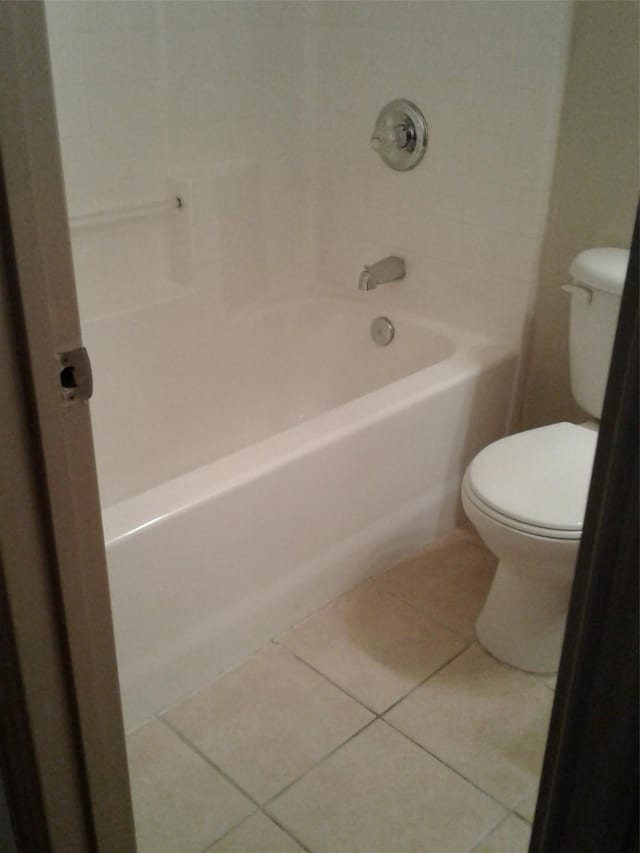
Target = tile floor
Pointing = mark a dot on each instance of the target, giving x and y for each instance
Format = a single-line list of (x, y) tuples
[(377, 725)]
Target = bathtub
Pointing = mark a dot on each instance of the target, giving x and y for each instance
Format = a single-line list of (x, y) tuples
[(262, 468)]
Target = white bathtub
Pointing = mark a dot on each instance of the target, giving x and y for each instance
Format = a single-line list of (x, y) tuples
[(270, 467)]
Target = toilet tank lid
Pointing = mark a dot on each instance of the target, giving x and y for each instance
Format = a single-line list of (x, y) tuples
[(602, 269)]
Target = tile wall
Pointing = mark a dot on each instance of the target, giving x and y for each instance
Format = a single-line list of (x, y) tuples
[(488, 77), (108, 62), (201, 98), (283, 96)]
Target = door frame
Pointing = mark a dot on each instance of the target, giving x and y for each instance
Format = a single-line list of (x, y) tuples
[(588, 800), (63, 750)]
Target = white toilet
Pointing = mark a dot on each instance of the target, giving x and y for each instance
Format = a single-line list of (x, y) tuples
[(526, 493)]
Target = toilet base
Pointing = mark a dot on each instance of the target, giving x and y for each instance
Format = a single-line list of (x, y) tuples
[(523, 620)]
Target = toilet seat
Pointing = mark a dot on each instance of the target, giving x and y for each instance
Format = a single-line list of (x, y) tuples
[(511, 524), (536, 481)]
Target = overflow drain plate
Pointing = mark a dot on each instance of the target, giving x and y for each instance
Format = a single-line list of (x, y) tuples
[(382, 331)]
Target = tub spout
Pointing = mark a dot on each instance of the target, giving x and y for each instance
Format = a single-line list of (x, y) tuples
[(382, 272), (364, 282)]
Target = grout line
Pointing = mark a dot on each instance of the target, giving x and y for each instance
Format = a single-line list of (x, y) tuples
[(467, 644), (489, 833), (449, 766), (326, 678), (521, 801), (466, 648), (268, 817), (228, 832), (523, 820), (519, 817), (285, 830), (261, 807), (427, 616), (458, 535), (209, 761), (318, 763), (497, 826)]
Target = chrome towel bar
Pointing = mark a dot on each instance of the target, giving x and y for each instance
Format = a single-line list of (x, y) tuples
[(121, 214)]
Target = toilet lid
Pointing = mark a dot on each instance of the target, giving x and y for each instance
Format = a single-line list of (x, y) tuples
[(539, 477)]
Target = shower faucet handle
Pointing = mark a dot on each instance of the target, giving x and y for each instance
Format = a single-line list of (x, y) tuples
[(400, 136)]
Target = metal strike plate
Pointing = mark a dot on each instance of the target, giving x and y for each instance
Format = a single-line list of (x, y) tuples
[(76, 378), (400, 135)]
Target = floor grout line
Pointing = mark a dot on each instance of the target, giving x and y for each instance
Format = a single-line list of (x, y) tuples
[(286, 830), (428, 616), (496, 827), (521, 801), (458, 535), (448, 766), (467, 645), (262, 807), (487, 835), (319, 762), (231, 829), (259, 807), (270, 818), (209, 761), (326, 677), (466, 648)]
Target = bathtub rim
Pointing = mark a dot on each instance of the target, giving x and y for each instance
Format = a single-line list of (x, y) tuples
[(471, 353)]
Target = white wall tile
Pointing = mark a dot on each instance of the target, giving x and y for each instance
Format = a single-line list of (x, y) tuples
[(516, 256), (114, 155), (145, 89), (142, 14), (112, 105), (72, 110), (147, 53), (66, 15), (108, 55), (67, 48), (105, 14), (77, 160), (490, 154)]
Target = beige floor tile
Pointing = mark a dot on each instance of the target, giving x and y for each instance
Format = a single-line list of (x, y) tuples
[(258, 834), (484, 719), (512, 836), (180, 802), (373, 645), (267, 722), (526, 808), (380, 793), (449, 581)]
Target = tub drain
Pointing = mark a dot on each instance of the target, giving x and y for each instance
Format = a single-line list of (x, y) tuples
[(382, 331)]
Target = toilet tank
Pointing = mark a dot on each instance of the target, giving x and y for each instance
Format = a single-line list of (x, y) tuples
[(598, 278)]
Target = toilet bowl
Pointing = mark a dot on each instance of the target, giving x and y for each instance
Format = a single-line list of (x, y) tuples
[(526, 496)]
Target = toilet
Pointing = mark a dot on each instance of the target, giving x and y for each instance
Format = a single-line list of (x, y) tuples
[(526, 494)]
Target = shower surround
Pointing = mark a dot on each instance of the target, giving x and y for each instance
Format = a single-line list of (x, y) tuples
[(241, 408)]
